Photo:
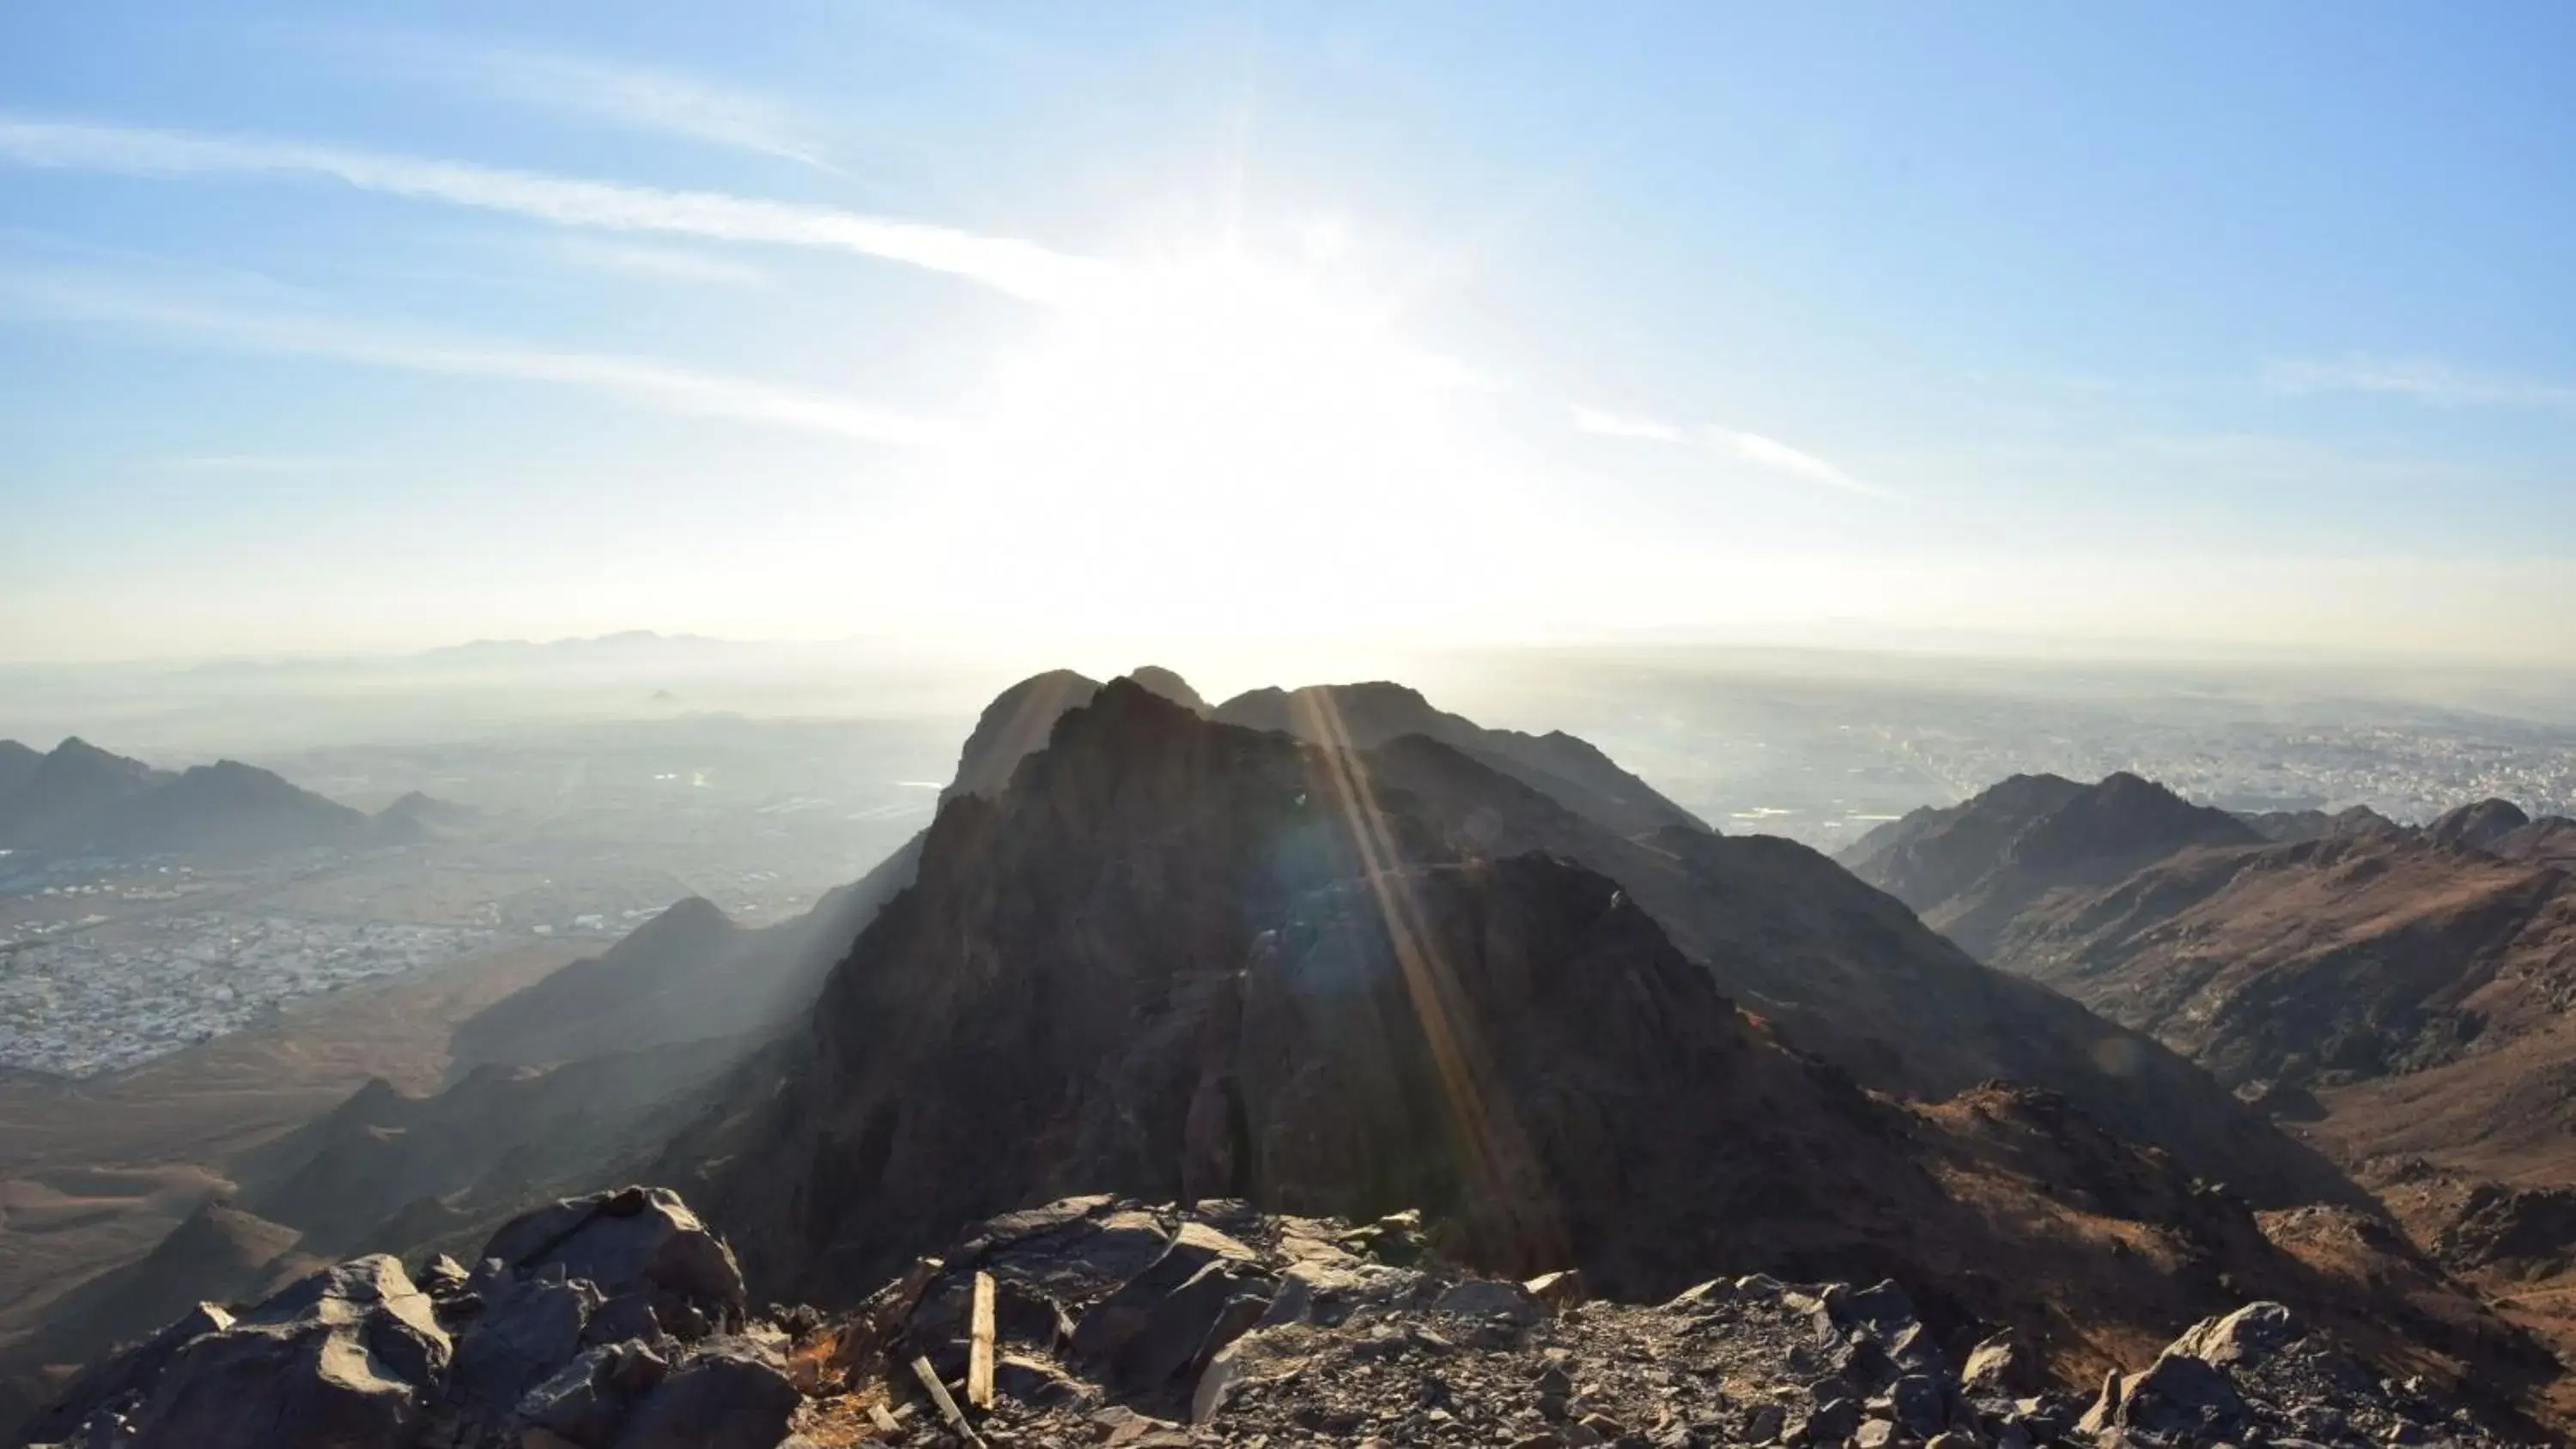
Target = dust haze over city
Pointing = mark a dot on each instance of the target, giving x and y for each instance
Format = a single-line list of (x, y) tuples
[(1343, 692)]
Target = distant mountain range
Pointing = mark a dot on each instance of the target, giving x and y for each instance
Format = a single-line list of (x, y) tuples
[(2406, 994), (1969, 869), (2309, 948), (78, 797)]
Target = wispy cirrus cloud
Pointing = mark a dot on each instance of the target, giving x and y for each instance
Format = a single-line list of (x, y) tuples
[(1007, 264), (2423, 379), (637, 98), (657, 385), (664, 264), (1752, 449)]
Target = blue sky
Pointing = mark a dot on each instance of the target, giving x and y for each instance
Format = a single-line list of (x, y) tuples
[(2191, 326)]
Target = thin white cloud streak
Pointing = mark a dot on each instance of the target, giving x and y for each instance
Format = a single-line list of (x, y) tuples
[(1768, 454), (2424, 380), (637, 380), (661, 264), (639, 99), (1020, 268)]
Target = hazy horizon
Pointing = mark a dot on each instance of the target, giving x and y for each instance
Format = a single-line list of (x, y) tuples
[(1229, 327)]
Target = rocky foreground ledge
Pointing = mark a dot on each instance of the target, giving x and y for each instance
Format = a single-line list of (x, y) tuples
[(617, 1321)]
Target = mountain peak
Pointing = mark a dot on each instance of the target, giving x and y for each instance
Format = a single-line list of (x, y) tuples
[(1968, 868), (2479, 824), (1363, 716), (1013, 727), (1170, 686), (685, 923)]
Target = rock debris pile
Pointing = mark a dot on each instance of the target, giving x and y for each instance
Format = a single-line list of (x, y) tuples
[(1095, 1321), (618, 1322)]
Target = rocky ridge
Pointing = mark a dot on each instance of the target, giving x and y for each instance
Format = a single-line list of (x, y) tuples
[(1843, 971), (617, 1322), (1971, 869)]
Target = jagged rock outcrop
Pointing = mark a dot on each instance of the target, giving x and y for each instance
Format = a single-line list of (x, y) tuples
[(2260, 1374), (613, 1321), (351, 1355), (1566, 769)]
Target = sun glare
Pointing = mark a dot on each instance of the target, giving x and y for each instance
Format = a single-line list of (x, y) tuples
[(1240, 432)]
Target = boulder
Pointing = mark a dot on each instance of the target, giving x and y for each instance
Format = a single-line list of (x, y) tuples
[(525, 1334), (1913, 1349), (348, 1356), (1071, 1251), (1881, 1307), (2000, 1368), (1916, 1401), (1036, 1382), (623, 1240), (1560, 1290), (2249, 1335), (1160, 1321), (1153, 1331), (727, 1396), (2177, 1394), (589, 1401), (1833, 1421)]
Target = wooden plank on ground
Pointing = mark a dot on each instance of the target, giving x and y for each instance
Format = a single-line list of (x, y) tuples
[(979, 1345), (939, 1396)]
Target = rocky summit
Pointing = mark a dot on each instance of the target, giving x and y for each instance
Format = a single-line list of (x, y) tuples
[(616, 1321)]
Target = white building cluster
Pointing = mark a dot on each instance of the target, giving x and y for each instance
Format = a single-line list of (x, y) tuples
[(97, 1002)]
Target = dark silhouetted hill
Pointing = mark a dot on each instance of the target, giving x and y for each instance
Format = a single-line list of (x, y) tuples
[(416, 816), (688, 974), (18, 765), (225, 809), (68, 792)]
